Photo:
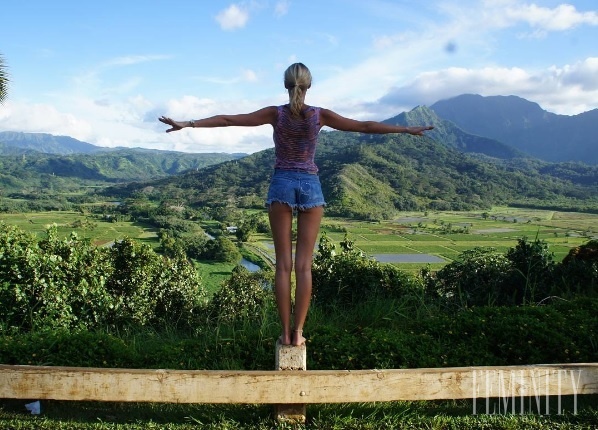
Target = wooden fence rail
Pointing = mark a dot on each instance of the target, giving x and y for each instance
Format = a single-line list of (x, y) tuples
[(295, 387)]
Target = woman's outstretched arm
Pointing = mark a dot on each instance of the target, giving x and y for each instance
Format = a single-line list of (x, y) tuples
[(263, 116), (338, 122)]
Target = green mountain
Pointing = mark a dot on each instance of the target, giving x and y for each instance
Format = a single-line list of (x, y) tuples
[(451, 135), (374, 176), (33, 170), (14, 142), (526, 126)]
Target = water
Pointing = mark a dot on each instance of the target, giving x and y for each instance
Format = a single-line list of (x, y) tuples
[(249, 265)]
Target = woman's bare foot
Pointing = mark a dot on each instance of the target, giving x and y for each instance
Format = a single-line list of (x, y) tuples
[(284, 339), (298, 338)]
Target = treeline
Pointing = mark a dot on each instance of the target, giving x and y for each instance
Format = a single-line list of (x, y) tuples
[(69, 283), (179, 226)]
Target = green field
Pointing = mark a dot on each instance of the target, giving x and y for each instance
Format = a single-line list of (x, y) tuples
[(98, 231), (441, 234), (447, 234)]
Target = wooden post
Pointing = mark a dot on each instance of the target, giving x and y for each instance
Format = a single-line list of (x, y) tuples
[(290, 358)]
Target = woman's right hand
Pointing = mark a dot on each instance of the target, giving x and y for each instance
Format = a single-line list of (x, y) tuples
[(175, 125)]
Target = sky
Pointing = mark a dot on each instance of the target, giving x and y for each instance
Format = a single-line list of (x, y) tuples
[(103, 72)]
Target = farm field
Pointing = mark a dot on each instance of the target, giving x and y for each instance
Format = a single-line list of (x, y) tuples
[(412, 240), (98, 231)]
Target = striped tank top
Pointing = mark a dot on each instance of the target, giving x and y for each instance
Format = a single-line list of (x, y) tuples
[(295, 140)]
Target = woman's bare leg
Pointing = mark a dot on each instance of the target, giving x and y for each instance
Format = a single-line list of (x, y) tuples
[(281, 220), (308, 227)]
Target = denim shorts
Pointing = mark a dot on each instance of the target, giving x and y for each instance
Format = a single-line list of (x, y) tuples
[(299, 190)]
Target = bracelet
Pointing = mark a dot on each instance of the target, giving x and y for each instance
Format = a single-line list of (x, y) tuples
[(192, 123)]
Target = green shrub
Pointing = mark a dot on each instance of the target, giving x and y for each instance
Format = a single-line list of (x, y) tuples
[(53, 283), (67, 348), (578, 272), (150, 288), (478, 278), (561, 332), (525, 274), (350, 277), (243, 295), (531, 273), (69, 283)]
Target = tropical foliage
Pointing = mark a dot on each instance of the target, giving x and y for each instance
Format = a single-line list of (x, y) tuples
[(72, 284), (3, 80)]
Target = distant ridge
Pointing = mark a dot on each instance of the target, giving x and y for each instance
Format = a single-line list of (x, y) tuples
[(44, 143), (449, 134), (525, 126), (33, 161)]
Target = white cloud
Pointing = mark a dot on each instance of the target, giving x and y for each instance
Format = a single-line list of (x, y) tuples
[(562, 17), (41, 118), (233, 139), (567, 89), (282, 8), (249, 76), (488, 15), (227, 139), (232, 17)]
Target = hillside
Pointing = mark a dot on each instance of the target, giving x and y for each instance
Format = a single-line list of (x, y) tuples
[(525, 126), (374, 176), (452, 136), (32, 170), (363, 176), (15, 142)]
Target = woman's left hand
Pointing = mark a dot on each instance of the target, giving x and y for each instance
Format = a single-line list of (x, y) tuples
[(419, 131)]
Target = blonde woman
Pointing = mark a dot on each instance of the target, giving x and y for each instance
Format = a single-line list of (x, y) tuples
[(295, 186)]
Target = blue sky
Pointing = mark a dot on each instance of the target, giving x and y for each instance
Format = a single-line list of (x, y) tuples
[(103, 72)]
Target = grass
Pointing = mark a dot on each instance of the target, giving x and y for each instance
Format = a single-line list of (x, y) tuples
[(57, 415), (213, 274), (229, 343)]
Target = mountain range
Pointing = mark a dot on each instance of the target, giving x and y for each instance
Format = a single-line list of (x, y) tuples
[(498, 126), (525, 126), (12, 143), (455, 166), (42, 161), (374, 176)]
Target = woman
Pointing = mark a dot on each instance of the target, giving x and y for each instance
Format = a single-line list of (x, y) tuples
[(295, 185)]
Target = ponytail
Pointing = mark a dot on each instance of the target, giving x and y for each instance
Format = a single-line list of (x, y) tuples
[(297, 79), (296, 100)]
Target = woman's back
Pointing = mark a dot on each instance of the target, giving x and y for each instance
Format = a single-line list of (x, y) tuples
[(295, 139)]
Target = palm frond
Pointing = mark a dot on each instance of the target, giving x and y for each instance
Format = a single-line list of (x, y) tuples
[(3, 80)]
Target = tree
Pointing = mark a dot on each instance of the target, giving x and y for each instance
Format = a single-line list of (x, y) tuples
[(350, 277), (3, 80)]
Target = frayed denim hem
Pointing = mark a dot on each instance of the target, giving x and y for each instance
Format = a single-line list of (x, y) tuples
[(296, 207)]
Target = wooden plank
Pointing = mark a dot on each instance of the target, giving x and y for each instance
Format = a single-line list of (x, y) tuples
[(315, 386)]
